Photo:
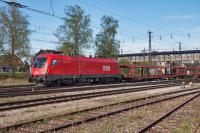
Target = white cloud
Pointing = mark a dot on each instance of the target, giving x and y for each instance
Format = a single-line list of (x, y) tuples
[(180, 17)]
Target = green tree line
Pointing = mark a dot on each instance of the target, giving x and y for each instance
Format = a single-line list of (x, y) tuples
[(14, 35), (75, 34)]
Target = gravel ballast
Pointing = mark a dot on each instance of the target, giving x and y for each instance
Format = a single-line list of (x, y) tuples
[(132, 121), (17, 116)]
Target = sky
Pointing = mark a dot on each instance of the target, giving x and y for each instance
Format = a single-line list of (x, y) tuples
[(170, 21)]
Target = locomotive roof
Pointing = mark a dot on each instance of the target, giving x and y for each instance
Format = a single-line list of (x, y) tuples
[(81, 58), (48, 52)]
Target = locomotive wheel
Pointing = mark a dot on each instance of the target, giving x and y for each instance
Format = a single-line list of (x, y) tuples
[(59, 82), (46, 84), (117, 80), (102, 81)]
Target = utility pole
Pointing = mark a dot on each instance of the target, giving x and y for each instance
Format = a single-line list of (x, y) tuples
[(179, 46), (179, 43), (144, 55), (150, 49)]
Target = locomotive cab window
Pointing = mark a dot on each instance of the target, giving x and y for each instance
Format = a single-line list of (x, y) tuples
[(53, 62), (39, 62)]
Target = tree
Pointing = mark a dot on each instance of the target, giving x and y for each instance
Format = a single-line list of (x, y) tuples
[(1, 48), (105, 41), (14, 34), (124, 62), (75, 33), (66, 48)]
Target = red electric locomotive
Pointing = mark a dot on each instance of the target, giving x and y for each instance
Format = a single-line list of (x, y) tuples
[(62, 69)]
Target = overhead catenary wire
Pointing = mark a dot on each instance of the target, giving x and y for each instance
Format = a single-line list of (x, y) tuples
[(139, 22), (51, 4), (186, 30), (53, 15), (97, 7), (19, 5), (136, 21), (119, 15), (39, 32), (122, 34), (45, 41)]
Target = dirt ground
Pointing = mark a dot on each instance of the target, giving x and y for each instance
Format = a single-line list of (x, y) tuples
[(11, 81)]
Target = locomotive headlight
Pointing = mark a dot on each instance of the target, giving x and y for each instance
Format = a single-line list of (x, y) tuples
[(44, 71)]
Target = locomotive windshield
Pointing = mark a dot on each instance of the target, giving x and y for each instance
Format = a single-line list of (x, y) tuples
[(39, 62)]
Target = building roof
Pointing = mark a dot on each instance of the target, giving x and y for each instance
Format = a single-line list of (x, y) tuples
[(5, 60), (48, 52), (161, 53)]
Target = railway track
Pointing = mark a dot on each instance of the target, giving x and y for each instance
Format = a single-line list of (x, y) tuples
[(59, 99), (78, 117), (146, 128), (35, 90)]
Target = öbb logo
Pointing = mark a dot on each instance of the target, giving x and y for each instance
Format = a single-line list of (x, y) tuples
[(106, 68)]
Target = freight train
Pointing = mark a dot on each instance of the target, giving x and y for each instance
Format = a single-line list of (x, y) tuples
[(62, 69)]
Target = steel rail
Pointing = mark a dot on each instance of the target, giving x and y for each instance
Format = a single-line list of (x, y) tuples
[(197, 129), (35, 90), (104, 115), (146, 128), (47, 90), (58, 99), (89, 119)]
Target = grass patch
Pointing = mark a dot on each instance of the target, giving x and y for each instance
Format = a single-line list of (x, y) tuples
[(134, 117), (185, 128), (18, 75), (2, 131)]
